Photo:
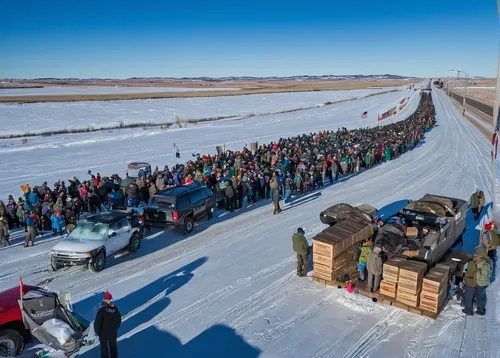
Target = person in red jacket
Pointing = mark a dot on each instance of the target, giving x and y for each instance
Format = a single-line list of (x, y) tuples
[(106, 325)]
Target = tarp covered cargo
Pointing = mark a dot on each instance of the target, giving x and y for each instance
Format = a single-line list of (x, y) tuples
[(135, 167), (431, 204), (341, 212), (39, 306)]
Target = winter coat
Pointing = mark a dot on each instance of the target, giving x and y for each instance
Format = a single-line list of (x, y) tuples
[(276, 195), (107, 322), (374, 264), (20, 214), (57, 222), (274, 183), (33, 197), (470, 274), (366, 249), (230, 191), (474, 201), (133, 191), (31, 221), (300, 245), (152, 190), (116, 199), (288, 184), (4, 234)]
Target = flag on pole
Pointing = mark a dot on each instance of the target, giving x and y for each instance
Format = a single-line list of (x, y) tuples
[(365, 114), (177, 153)]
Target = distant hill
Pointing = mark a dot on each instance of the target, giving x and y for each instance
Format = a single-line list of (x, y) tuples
[(230, 78)]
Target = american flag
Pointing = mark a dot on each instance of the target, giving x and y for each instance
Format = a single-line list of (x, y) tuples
[(364, 115)]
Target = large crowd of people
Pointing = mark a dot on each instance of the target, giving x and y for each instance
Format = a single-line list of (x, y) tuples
[(279, 170)]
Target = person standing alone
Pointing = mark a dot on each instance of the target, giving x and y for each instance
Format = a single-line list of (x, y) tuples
[(301, 247), (106, 325)]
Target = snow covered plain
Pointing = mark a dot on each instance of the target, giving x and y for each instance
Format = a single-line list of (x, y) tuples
[(230, 289), (50, 116), (60, 90)]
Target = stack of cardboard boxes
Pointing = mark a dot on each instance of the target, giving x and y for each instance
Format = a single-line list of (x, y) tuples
[(333, 249), (410, 279), (435, 289), (389, 284)]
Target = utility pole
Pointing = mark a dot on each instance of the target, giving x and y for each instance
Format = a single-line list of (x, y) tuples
[(496, 129), (465, 86)]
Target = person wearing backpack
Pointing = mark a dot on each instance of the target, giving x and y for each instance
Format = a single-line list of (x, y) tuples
[(477, 277)]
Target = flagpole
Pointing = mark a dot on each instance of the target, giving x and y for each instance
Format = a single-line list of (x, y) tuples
[(496, 132)]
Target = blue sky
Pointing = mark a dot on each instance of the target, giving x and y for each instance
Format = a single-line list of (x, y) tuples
[(120, 39)]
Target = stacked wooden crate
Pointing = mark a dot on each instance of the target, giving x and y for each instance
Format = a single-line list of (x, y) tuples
[(333, 249), (434, 289), (390, 275), (410, 279)]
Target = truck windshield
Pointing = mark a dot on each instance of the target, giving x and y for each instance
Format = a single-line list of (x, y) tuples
[(89, 231)]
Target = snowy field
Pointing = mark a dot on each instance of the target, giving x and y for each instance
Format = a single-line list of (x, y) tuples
[(110, 151), (230, 289), (43, 117), (66, 90)]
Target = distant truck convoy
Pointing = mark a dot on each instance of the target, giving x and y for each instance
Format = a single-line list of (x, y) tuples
[(423, 230)]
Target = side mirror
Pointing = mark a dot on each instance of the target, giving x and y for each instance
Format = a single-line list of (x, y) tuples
[(113, 234)]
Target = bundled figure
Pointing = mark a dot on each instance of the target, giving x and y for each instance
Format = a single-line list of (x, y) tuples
[(366, 249), (106, 325), (4, 232), (301, 247), (476, 279), (477, 203), (374, 267), (57, 222), (490, 238), (31, 224)]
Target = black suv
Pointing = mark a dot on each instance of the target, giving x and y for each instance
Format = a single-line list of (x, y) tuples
[(180, 206)]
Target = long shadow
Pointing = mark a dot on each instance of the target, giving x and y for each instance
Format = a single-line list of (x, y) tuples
[(217, 341), (152, 292)]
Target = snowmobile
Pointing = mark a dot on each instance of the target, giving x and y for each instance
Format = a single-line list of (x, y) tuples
[(51, 321)]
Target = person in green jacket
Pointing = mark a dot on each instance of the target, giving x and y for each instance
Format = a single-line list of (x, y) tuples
[(368, 160), (301, 247), (477, 277), (366, 249), (477, 203), (387, 154)]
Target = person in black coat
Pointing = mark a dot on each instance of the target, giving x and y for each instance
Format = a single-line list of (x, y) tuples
[(106, 325)]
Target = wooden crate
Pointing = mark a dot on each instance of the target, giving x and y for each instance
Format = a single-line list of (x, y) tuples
[(451, 267), (412, 271), (325, 272), (338, 238), (435, 280), (323, 260), (391, 269), (409, 299), (410, 287), (433, 302), (388, 288)]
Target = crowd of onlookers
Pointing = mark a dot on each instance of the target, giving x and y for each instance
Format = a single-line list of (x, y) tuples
[(302, 164)]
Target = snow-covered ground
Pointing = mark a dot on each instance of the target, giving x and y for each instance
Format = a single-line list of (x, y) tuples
[(66, 90), (230, 289), (50, 116), (63, 156)]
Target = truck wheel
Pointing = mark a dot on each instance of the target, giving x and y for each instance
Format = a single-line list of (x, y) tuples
[(188, 225), (135, 243), (55, 266), (98, 262), (11, 343)]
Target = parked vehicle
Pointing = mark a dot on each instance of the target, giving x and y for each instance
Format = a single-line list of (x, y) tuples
[(180, 206), (13, 334), (98, 237), (136, 168)]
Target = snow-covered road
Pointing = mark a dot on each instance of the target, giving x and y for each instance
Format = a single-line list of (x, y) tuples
[(230, 289)]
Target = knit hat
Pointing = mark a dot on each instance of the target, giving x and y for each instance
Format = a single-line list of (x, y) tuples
[(301, 231), (107, 296), (481, 252), (488, 226)]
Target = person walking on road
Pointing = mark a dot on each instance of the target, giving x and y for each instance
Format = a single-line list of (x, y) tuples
[(106, 325), (477, 203), (31, 223), (301, 247), (4, 232), (374, 267), (476, 279)]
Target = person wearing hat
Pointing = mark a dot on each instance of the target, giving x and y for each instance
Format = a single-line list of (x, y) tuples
[(477, 203), (106, 325), (490, 238), (4, 232), (374, 267), (366, 249), (301, 247), (477, 277), (57, 222), (31, 223)]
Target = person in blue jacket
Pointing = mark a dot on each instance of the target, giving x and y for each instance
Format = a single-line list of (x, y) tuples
[(57, 222), (33, 197)]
